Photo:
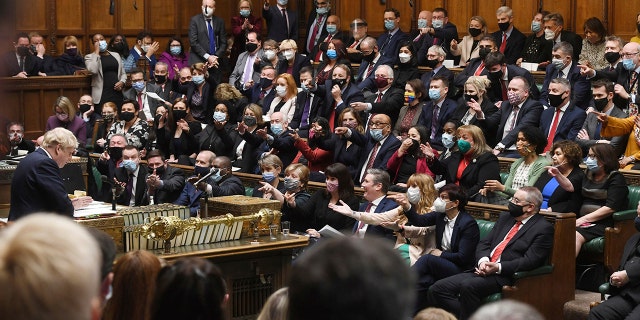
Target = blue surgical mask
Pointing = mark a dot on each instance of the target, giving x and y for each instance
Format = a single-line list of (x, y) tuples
[(268, 176), (628, 64), (434, 94), (332, 28), (389, 25), (422, 23), (129, 165), (102, 45), (332, 54), (198, 80), (536, 26), (277, 128), (245, 13), (216, 176), (138, 86), (591, 163), (322, 11), (219, 116), (447, 140), (283, 2), (175, 50), (464, 146), (376, 134), (437, 24)]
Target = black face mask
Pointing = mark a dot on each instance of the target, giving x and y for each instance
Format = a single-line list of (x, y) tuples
[(251, 47), (555, 100), (431, 63), (339, 82), (127, 116), (161, 79), (414, 147), (265, 82), (23, 51), (468, 97), (201, 171), (503, 26), (119, 47), (612, 57), (495, 76), (600, 104), (159, 170), (179, 114), (115, 153), (515, 210), (638, 27), (249, 121), (369, 57), (483, 52), (474, 32), (84, 107)]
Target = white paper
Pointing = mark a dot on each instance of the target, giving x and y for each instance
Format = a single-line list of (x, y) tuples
[(529, 66), (330, 232), (448, 64), (154, 95), (96, 208)]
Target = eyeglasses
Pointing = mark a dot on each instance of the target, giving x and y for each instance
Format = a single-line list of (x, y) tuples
[(378, 124), (518, 201), (629, 55)]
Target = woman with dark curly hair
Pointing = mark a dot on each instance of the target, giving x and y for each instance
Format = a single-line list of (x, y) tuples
[(333, 53), (232, 98), (561, 183), (176, 134)]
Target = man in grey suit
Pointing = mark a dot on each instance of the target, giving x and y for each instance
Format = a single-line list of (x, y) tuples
[(246, 69), (207, 38), (139, 92)]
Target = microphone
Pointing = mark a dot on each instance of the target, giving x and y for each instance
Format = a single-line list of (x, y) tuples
[(211, 172)]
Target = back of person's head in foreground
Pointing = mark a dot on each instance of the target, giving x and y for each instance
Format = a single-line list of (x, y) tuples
[(276, 306), (49, 269), (351, 279), (507, 310), (434, 314), (191, 288)]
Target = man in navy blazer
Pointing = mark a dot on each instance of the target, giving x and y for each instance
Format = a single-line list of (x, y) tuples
[(11, 66), (442, 32), (37, 185), (338, 93), (501, 74), (571, 117), (435, 60), (441, 106), (375, 185), (279, 26), (202, 50), (253, 90), (308, 104), (514, 38), (371, 59), (387, 99), (520, 240), (563, 62), (455, 243), (388, 42), (190, 195)]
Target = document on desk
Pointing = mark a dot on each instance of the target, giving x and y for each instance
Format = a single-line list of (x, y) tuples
[(94, 210), (330, 232)]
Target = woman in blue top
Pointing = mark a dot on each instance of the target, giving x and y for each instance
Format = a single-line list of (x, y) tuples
[(562, 182)]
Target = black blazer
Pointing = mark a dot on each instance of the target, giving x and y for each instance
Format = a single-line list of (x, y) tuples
[(190, 88), (529, 115), (385, 151), (562, 200), (487, 107), (141, 196), (568, 127), (321, 46), (515, 43), (173, 183), (249, 161), (277, 24), (630, 262), (299, 62), (389, 46), (364, 82), (390, 104), (622, 77), (316, 106), (495, 91), (442, 37), (349, 156), (351, 93), (580, 86), (473, 178), (468, 71), (442, 72), (10, 66), (219, 141), (445, 113)]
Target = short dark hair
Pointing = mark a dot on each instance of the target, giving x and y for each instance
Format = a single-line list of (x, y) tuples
[(176, 38), (126, 101), (535, 136), (394, 10), (345, 183), (594, 24), (494, 58), (21, 35), (14, 123), (608, 85), (155, 153), (443, 10), (144, 34), (455, 193), (305, 70), (444, 79)]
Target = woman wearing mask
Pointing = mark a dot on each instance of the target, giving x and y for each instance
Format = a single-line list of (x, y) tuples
[(294, 198), (536, 48), (271, 58), (410, 158), (467, 49), (107, 73), (318, 159), (178, 130), (199, 92), (344, 151), (234, 100), (65, 117), (407, 65), (270, 167), (293, 61), (133, 128), (415, 95), (414, 241), (286, 94), (592, 53), (108, 118), (174, 56), (118, 44), (242, 24), (217, 135), (604, 191), (332, 55), (471, 165), (70, 60), (562, 182), (475, 96), (449, 139), (247, 141)]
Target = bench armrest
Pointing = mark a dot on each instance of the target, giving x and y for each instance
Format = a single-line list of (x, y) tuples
[(625, 215), (546, 269), (604, 288)]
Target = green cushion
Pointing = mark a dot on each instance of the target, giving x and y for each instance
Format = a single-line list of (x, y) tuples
[(248, 191), (594, 247), (503, 177), (546, 269), (634, 197), (493, 298), (604, 288), (485, 227), (625, 214)]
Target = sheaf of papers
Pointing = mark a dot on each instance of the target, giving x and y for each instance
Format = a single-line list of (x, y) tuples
[(154, 95), (330, 232), (96, 208)]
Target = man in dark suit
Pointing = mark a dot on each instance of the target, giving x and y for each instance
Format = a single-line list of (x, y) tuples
[(109, 160), (139, 92), (437, 111), (603, 102), (359, 29), (554, 30), (190, 195), (476, 66), (501, 75), (563, 66), (518, 111), (442, 32), (421, 34), (334, 33), (15, 134), (316, 31), (37, 185), (624, 284), (338, 94), (388, 42), (164, 182), (309, 105), (20, 63), (164, 85), (513, 42), (282, 23), (520, 241), (375, 185), (387, 99), (277, 140), (563, 119), (261, 93), (371, 59), (131, 179), (207, 38), (223, 182), (46, 62), (246, 69), (435, 60)]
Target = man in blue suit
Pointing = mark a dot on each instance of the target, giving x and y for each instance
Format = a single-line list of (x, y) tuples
[(563, 120), (371, 59), (375, 184), (437, 111), (338, 93), (207, 38), (388, 42), (563, 66), (37, 184), (282, 23)]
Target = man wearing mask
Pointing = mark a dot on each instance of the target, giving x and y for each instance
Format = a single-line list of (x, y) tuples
[(612, 51), (501, 74), (442, 31), (589, 135), (435, 60), (246, 69), (521, 240), (509, 39), (563, 66), (476, 66), (282, 23), (20, 63), (191, 195), (208, 39), (164, 182), (359, 31), (338, 93), (15, 133), (388, 42), (371, 59), (309, 104), (421, 34), (316, 31), (109, 160), (130, 178), (563, 119), (222, 182), (261, 92), (161, 81), (277, 140), (145, 46), (139, 92), (87, 113), (554, 31), (437, 111), (37, 48), (333, 33), (386, 99)]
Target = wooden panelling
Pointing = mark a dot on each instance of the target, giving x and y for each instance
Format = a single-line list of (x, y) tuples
[(523, 12), (585, 9), (162, 15), (69, 15), (31, 15), (131, 14), (99, 19), (622, 17), (563, 7)]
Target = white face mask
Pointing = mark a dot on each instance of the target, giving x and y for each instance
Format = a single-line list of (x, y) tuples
[(288, 54), (404, 57), (440, 205), (413, 195), (549, 34), (207, 12)]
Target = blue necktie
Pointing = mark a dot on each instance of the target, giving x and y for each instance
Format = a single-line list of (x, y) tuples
[(212, 42)]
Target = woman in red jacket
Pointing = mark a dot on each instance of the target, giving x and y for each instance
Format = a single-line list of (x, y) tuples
[(411, 158)]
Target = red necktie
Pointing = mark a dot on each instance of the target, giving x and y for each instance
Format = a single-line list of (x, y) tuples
[(361, 223), (314, 33), (372, 158), (552, 131), (140, 101), (505, 97), (503, 45), (480, 69), (498, 251), (369, 70), (379, 98)]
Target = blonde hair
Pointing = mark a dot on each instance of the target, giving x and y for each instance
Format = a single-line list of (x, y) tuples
[(480, 83), (291, 42), (59, 136), (434, 314), (303, 173), (226, 91), (49, 269), (276, 306), (70, 40), (479, 140), (257, 111), (65, 104)]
